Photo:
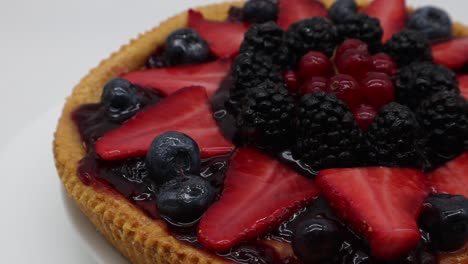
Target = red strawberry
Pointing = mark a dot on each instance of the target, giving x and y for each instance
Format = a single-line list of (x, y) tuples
[(382, 204), (187, 111), (224, 37), (452, 178), (259, 194), (169, 80), (453, 54), (291, 11), (463, 84), (391, 14)]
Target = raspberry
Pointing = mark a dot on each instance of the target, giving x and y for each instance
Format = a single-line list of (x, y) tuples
[(362, 27), (364, 116), (315, 64), (350, 44), (409, 46), (378, 89), (292, 81), (347, 89), (315, 84), (355, 63), (382, 62)]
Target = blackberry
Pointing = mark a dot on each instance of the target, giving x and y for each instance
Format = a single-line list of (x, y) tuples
[(362, 27), (326, 134), (445, 116), (395, 138), (408, 46), (420, 80), (313, 34), (342, 10)]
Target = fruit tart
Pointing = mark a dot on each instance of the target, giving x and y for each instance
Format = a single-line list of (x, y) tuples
[(289, 131)]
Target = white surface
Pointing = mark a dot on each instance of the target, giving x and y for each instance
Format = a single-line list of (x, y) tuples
[(45, 48)]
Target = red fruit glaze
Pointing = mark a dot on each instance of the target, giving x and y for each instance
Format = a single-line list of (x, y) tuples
[(453, 54), (378, 89), (350, 44), (452, 178), (232, 34), (259, 193), (381, 204), (187, 111), (463, 85), (391, 14), (346, 88), (169, 80), (315, 64), (364, 116), (315, 84), (384, 63), (356, 63), (291, 11), (292, 81)]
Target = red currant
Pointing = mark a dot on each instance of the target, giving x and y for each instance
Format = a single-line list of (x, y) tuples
[(292, 81), (346, 88), (315, 64), (378, 89), (364, 116), (350, 44), (382, 62), (315, 84), (356, 63)]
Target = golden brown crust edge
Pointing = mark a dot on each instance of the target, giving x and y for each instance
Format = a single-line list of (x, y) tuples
[(139, 238)]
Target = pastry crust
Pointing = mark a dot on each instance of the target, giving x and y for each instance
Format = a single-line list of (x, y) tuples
[(139, 238)]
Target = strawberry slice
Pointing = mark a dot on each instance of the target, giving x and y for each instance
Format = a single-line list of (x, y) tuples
[(391, 14), (463, 84), (187, 111), (291, 11), (382, 204), (169, 80), (452, 178), (453, 54), (259, 194), (223, 37)]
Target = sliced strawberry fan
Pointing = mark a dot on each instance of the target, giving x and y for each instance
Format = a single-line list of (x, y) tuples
[(453, 54), (292, 11), (463, 85), (452, 178)]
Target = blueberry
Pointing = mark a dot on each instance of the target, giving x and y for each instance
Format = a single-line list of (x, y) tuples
[(317, 240), (432, 21), (185, 46), (156, 61), (342, 10), (184, 200), (120, 99), (173, 154), (260, 11), (445, 218)]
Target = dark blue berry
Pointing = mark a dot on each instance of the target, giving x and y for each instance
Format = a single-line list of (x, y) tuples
[(185, 46), (184, 200), (342, 10), (317, 240), (156, 61), (260, 11), (434, 22), (445, 218), (120, 99), (173, 154)]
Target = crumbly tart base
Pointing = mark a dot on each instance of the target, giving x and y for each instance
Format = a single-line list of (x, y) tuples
[(139, 238)]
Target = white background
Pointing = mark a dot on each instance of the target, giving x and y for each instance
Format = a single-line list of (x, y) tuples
[(46, 46)]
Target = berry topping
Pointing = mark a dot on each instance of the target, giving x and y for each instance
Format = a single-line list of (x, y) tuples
[(355, 63), (187, 111), (378, 89), (260, 11), (326, 134), (291, 11), (463, 85), (292, 81), (445, 217), (169, 80), (156, 61), (445, 117), (259, 193), (384, 63), (421, 80), (408, 46), (347, 89), (434, 22), (392, 16), (232, 34), (120, 99), (313, 34), (315, 84), (395, 138), (185, 46), (315, 64), (350, 44), (381, 204), (452, 54), (172, 154), (317, 240), (452, 177), (364, 28), (342, 10), (364, 116), (184, 200)]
